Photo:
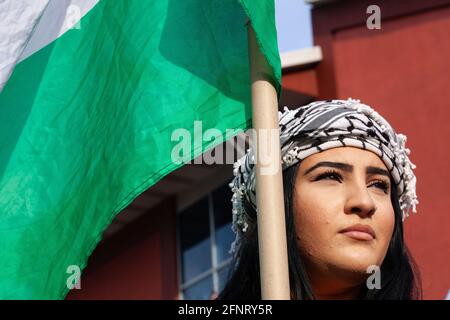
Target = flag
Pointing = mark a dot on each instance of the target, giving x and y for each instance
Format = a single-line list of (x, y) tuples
[(92, 92)]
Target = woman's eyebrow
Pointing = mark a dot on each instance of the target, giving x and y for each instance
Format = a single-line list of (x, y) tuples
[(346, 167), (376, 170)]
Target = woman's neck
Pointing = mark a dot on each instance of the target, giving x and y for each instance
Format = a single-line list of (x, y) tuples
[(352, 293), (337, 286)]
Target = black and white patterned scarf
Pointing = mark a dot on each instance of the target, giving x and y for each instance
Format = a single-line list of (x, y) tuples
[(323, 125)]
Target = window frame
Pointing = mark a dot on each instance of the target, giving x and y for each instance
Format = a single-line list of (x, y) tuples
[(216, 266)]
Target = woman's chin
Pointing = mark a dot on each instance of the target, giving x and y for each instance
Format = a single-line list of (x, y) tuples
[(358, 260)]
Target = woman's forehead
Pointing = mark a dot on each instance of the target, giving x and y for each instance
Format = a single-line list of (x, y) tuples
[(356, 157)]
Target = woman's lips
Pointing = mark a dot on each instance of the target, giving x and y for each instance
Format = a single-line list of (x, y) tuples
[(359, 232)]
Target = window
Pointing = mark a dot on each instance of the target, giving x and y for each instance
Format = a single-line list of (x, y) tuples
[(205, 237)]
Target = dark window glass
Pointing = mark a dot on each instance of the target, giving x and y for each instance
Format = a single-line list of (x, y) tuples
[(195, 240), (201, 290), (224, 237), (224, 275), (222, 221)]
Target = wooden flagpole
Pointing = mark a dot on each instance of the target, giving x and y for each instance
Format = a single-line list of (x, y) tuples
[(269, 184)]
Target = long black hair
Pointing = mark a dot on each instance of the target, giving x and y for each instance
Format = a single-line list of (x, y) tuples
[(399, 275)]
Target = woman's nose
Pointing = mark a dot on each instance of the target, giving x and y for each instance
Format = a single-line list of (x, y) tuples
[(359, 201)]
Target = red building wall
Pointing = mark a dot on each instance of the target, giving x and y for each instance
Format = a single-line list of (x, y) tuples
[(139, 262)]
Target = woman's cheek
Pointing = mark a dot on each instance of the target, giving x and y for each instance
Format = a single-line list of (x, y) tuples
[(313, 224), (386, 223)]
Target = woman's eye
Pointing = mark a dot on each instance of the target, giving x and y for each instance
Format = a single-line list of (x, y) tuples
[(382, 185), (329, 175), (337, 177)]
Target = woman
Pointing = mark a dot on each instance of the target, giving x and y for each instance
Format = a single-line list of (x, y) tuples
[(348, 186)]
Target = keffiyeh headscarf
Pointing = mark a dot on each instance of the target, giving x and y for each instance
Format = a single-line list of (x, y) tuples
[(323, 125)]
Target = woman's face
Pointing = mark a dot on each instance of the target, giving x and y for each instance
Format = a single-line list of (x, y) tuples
[(343, 215)]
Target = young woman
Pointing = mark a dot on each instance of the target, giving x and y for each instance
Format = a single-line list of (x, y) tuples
[(348, 186)]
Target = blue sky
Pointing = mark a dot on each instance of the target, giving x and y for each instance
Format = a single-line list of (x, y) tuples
[(293, 22)]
